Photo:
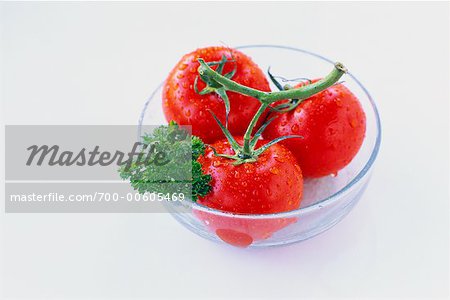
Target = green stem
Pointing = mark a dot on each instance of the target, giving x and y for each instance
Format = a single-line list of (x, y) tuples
[(270, 97), (248, 134), (309, 89), (247, 152), (205, 70)]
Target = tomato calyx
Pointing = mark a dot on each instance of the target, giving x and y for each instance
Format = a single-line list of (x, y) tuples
[(214, 87), (248, 152), (291, 104)]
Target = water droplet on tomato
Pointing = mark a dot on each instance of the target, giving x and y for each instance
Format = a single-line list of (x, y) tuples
[(279, 159), (183, 66), (274, 170), (294, 128), (188, 113)]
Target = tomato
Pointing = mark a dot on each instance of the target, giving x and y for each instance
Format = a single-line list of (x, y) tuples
[(242, 232), (333, 126), (272, 184), (182, 104)]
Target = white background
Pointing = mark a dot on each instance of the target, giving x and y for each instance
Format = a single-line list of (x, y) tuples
[(95, 63)]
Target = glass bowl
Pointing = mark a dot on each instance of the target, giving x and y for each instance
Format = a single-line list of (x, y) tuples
[(326, 200)]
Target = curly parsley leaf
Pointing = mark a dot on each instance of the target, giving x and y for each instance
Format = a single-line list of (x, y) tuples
[(180, 173)]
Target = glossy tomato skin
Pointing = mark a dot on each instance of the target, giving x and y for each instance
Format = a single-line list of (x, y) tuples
[(273, 184), (333, 126), (183, 105)]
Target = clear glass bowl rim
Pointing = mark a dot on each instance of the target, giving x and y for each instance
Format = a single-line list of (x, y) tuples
[(320, 204)]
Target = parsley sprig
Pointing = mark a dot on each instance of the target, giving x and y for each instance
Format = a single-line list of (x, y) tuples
[(181, 173)]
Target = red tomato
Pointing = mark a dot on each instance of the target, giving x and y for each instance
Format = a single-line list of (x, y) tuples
[(242, 232), (333, 126), (272, 184), (182, 104)]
